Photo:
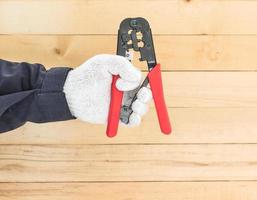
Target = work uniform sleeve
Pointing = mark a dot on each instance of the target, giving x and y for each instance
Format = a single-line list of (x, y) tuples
[(28, 92)]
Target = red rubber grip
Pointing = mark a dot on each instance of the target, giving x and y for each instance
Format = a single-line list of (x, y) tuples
[(155, 80), (114, 111)]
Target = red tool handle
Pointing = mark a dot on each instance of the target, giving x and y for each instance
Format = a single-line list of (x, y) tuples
[(155, 80), (115, 106)]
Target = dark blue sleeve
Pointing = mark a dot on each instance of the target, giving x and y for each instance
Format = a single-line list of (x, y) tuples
[(28, 92)]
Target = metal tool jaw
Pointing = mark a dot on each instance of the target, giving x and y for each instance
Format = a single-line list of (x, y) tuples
[(135, 34)]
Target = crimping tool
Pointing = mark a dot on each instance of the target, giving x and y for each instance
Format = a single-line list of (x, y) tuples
[(135, 34)]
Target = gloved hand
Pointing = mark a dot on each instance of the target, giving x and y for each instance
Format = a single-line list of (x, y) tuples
[(88, 89)]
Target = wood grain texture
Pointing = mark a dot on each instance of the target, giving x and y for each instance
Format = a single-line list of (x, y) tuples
[(98, 17), (137, 191), (215, 89), (97, 163), (190, 125), (177, 52)]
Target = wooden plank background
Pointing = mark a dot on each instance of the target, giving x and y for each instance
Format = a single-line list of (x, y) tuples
[(208, 51)]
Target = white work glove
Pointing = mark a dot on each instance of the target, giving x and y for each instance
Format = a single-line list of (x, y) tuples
[(88, 89)]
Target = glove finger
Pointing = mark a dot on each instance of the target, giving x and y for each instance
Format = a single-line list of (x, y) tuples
[(118, 65), (127, 71), (124, 85), (144, 95), (139, 107), (134, 120)]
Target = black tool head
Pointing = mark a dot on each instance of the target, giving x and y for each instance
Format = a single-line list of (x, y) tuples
[(135, 33)]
